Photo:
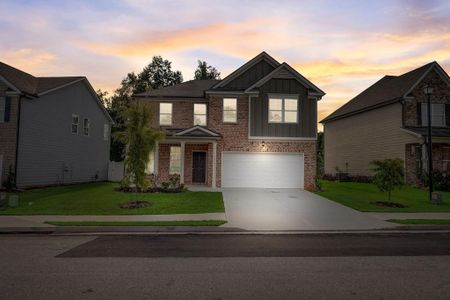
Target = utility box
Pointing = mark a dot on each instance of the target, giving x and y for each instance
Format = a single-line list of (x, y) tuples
[(13, 201), (436, 198)]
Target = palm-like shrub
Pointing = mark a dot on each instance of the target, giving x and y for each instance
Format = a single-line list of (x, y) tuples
[(140, 139)]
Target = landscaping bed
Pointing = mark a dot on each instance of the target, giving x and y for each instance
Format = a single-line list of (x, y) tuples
[(102, 199), (421, 221), (366, 197)]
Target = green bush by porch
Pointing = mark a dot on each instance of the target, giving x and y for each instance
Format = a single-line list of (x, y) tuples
[(101, 199), (360, 196)]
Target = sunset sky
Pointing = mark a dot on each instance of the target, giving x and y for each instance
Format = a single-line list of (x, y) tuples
[(342, 46)]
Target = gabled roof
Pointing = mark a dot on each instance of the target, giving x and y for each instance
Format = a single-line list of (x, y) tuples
[(188, 89), (262, 56), (388, 89), (25, 83), (285, 71), (196, 132), (28, 84)]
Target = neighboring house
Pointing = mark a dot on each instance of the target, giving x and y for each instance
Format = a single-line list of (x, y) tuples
[(255, 128), (53, 130), (389, 120)]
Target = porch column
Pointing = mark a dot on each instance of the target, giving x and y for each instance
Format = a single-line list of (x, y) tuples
[(214, 167), (182, 162), (156, 158)]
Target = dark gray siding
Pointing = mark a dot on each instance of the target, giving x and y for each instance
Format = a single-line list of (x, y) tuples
[(46, 144), (250, 77), (307, 110)]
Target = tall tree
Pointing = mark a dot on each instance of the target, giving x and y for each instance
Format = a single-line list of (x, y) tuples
[(205, 71), (157, 74)]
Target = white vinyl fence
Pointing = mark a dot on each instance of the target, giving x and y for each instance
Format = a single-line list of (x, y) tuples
[(115, 171)]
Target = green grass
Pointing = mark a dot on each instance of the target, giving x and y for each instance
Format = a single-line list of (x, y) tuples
[(101, 199), (421, 221), (139, 223), (360, 196)]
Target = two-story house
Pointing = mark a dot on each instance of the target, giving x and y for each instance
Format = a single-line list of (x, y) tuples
[(389, 120), (53, 130), (255, 128)]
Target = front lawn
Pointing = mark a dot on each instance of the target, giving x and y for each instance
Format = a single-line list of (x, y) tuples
[(138, 223), (101, 199), (361, 196)]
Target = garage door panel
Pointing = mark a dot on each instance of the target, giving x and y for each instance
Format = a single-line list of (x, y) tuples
[(262, 170)]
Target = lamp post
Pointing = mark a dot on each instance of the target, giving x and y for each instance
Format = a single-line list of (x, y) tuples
[(428, 90)]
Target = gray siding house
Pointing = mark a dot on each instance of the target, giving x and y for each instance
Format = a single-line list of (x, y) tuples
[(53, 130), (255, 128)]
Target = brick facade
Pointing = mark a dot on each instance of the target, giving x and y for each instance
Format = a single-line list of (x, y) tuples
[(8, 136), (235, 137), (441, 94)]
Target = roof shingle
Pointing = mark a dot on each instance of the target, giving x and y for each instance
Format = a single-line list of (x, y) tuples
[(188, 89), (385, 90)]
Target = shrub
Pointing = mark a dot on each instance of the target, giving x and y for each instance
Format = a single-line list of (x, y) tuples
[(441, 180), (388, 175)]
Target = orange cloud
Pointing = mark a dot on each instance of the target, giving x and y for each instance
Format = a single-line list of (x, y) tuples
[(30, 60)]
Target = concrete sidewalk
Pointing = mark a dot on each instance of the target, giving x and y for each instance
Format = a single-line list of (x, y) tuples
[(403, 216), (39, 220)]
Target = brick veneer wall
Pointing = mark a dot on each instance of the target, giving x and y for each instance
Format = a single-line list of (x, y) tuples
[(441, 94), (8, 136), (411, 175), (235, 138)]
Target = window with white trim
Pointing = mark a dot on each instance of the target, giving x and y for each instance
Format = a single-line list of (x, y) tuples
[(229, 110), (86, 126), (283, 110), (165, 114), (175, 160), (106, 132), (200, 114), (75, 123), (437, 114)]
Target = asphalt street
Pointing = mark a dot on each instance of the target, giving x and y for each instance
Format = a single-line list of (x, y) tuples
[(387, 266)]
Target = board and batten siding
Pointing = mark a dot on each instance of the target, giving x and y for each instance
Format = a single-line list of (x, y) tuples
[(307, 111), (48, 152), (252, 75), (362, 138)]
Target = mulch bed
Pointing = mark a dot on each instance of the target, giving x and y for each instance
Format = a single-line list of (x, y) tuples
[(388, 204), (135, 204)]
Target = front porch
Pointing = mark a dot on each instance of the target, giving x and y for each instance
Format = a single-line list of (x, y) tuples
[(191, 153)]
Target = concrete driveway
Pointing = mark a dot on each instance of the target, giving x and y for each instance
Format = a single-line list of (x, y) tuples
[(291, 209)]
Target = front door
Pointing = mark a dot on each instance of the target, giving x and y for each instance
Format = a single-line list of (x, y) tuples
[(198, 167)]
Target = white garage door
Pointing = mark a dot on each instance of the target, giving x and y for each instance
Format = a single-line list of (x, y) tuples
[(262, 170)]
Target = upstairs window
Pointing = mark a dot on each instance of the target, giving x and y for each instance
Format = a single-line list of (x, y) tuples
[(75, 123), (437, 114), (283, 110), (229, 110), (175, 160), (86, 126), (200, 114), (2, 109), (165, 114)]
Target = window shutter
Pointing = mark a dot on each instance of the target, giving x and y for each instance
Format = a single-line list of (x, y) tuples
[(7, 108), (447, 114), (419, 114)]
